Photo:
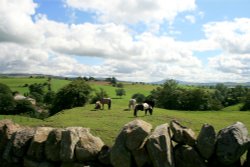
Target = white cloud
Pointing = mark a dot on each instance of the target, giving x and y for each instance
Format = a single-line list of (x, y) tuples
[(134, 11), (234, 64), (232, 36), (233, 39), (16, 24), (190, 18)]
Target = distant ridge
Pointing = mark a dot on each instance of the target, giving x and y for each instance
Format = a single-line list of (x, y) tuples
[(28, 75), (229, 84), (43, 75)]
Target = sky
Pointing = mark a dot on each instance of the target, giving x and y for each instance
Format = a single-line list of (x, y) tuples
[(131, 40)]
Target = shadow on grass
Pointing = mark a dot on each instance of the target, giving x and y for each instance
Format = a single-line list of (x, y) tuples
[(137, 116), (96, 110)]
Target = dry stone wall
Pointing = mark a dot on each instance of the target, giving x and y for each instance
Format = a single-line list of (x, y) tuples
[(137, 145)]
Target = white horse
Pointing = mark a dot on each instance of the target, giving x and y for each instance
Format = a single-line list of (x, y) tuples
[(131, 104)]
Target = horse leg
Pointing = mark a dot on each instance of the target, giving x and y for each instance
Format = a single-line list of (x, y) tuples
[(135, 112), (109, 104)]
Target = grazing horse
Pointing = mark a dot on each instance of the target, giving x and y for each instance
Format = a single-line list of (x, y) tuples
[(143, 107), (106, 101), (150, 102), (98, 105), (131, 104)]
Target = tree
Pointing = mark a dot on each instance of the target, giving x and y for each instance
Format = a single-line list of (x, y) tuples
[(7, 102), (37, 91), (246, 105), (120, 92), (99, 95), (221, 93), (38, 88), (75, 94), (49, 83), (171, 96), (167, 95), (139, 97), (113, 81), (199, 99), (49, 97), (237, 94), (24, 106)]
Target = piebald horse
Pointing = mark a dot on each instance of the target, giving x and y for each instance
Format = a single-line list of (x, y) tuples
[(143, 107), (102, 102)]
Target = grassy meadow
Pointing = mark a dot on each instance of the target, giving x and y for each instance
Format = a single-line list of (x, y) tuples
[(107, 123)]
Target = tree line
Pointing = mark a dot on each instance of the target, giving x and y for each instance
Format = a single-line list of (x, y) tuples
[(172, 96)]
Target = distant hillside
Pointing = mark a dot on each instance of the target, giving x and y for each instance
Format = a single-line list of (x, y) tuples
[(229, 84), (28, 75)]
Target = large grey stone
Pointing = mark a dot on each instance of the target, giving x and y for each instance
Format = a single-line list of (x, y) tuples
[(37, 146), (136, 132), (18, 145), (186, 156), (160, 148), (182, 134), (232, 142), (30, 163), (131, 137), (88, 147), (70, 136), (141, 157), (214, 162), (7, 128), (120, 155), (206, 141), (53, 145), (104, 155)]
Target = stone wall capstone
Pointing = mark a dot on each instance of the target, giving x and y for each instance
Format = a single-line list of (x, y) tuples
[(137, 145)]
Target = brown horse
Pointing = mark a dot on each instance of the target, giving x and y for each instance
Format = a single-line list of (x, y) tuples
[(106, 101)]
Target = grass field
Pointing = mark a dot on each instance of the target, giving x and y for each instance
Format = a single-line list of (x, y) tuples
[(107, 123), (17, 84)]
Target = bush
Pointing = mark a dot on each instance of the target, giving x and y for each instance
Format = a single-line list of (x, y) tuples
[(246, 105), (120, 92), (139, 97), (24, 106), (7, 102), (75, 94), (49, 97), (99, 95)]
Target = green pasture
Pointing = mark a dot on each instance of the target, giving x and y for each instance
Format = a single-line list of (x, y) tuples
[(107, 123), (17, 84)]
